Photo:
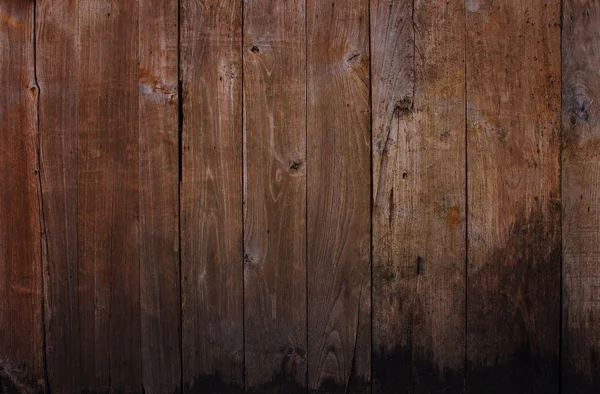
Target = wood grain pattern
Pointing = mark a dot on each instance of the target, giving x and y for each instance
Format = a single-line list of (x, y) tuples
[(159, 195), (338, 204), (580, 167), (513, 93), (211, 195), (21, 220), (56, 40), (275, 196), (419, 245), (108, 197)]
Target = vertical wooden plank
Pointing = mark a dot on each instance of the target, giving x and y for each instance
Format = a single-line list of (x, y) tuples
[(419, 245), (339, 188), (513, 95), (56, 25), (108, 198), (21, 226), (580, 166), (159, 195), (275, 196), (211, 195)]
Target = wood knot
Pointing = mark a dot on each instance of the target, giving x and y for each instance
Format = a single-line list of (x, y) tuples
[(353, 59), (403, 107), (580, 112), (289, 350), (419, 265), (254, 49), (295, 165)]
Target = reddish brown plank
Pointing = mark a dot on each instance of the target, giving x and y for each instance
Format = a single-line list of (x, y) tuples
[(339, 196), (275, 196), (211, 195), (419, 245), (108, 197), (580, 166), (56, 40), (513, 98), (21, 220), (159, 195)]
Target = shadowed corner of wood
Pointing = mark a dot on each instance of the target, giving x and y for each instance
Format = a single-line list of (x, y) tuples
[(16, 380)]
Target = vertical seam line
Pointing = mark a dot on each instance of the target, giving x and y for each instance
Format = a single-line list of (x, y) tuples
[(466, 269), (42, 219), (179, 183)]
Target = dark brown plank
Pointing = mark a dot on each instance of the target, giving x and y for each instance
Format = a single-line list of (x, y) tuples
[(580, 166), (56, 22), (21, 221), (419, 245), (275, 196), (339, 189), (211, 196), (159, 196), (513, 112), (108, 197)]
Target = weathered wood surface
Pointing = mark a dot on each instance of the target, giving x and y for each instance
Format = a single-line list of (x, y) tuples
[(21, 218), (580, 167), (211, 195), (419, 245), (159, 195), (275, 196), (56, 40), (513, 128), (191, 193), (339, 196)]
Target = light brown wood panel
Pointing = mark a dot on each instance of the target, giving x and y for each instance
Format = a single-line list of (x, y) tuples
[(56, 40), (581, 201), (159, 196), (513, 113), (339, 196), (108, 196), (419, 158), (211, 195), (21, 219), (275, 196)]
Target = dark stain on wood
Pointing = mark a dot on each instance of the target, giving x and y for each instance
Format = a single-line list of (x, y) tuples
[(400, 370), (526, 310), (523, 373)]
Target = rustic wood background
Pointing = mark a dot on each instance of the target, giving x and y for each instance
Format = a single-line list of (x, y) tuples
[(356, 196)]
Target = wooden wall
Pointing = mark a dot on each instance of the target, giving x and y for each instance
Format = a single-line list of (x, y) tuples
[(274, 196)]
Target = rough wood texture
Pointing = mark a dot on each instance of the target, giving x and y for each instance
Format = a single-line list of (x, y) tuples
[(581, 229), (513, 112), (56, 40), (419, 196), (275, 196), (211, 195), (108, 207), (21, 220), (339, 188), (159, 195)]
